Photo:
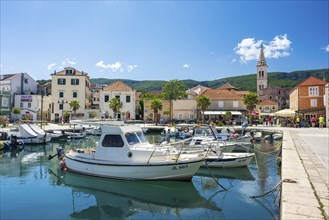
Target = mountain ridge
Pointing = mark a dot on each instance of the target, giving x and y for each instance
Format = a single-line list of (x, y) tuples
[(244, 82)]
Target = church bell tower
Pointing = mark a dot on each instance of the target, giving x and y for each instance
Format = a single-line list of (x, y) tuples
[(261, 71)]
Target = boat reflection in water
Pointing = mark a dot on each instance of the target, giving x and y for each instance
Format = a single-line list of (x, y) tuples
[(239, 173), (122, 199)]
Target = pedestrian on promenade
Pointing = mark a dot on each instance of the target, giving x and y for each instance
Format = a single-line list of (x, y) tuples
[(313, 120), (321, 121), (297, 122)]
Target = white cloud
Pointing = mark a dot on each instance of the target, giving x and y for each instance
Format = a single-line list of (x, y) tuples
[(131, 68), (117, 66), (50, 66), (186, 66), (326, 48), (67, 62), (248, 48)]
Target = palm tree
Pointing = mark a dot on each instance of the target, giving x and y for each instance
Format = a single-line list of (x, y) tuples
[(115, 105), (74, 105), (203, 102), (156, 105), (250, 100)]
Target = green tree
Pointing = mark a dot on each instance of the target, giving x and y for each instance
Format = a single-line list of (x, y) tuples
[(173, 90), (250, 100), (202, 102), (115, 105), (16, 111), (141, 109), (228, 116), (74, 105), (156, 105)]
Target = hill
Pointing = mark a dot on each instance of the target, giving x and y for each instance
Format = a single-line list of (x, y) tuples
[(245, 82)]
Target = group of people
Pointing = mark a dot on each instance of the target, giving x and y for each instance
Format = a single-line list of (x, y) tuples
[(320, 120), (312, 121)]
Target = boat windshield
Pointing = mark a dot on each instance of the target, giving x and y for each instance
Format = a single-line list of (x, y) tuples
[(135, 138)]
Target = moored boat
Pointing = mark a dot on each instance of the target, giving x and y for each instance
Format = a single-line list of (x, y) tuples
[(123, 152), (227, 160)]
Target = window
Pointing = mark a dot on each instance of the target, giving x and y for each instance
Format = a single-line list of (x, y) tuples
[(220, 104), (266, 108), (106, 98), (75, 95), (21, 105), (61, 81), (314, 103), (26, 80), (112, 141), (60, 106), (235, 104), (61, 95), (313, 91), (74, 81), (131, 138), (191, 116), (180, 116), (29, 105), (4, 102), (69, 72), (117, 97), (128, 98)]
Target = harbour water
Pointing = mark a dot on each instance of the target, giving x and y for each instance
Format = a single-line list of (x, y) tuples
[(32, 187)]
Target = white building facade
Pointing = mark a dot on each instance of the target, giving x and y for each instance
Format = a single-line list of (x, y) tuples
[(125, 94), (12, 85), (68, 85)]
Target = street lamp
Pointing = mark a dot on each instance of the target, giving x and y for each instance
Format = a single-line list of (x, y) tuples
[(62, 101)]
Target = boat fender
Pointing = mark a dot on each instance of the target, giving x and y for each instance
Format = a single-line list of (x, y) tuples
[(130, 154)]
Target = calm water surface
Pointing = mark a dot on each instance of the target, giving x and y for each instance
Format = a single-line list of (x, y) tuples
[(32, 187)]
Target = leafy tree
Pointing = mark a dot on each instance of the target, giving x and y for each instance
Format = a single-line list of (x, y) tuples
[(74, 105), (115, 105), (228, 116), (141, 109), (250, 100), (173, 90), (16, 111), (203, 102), (156, 105)]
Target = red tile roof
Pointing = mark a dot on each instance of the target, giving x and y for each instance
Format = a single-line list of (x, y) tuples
[(310, 81), (267, 102), (221, 94)]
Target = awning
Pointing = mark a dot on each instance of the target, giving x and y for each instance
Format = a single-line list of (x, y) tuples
[(221, 112), (266, 113)]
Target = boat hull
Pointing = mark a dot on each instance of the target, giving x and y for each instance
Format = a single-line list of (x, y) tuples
[(170, 170), (229, 160)]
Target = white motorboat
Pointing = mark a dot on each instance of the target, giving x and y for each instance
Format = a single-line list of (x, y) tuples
[(227, 160), (30, 136), (40, 132), (123, 152)]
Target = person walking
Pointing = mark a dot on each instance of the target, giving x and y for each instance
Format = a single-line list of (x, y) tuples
[(313, 120), (298, 122), (321, 121)]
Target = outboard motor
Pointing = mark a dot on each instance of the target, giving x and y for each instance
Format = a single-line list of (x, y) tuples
[(60, 152), (13, 141)]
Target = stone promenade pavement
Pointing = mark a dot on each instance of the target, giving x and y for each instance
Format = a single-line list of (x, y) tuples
[(305, 173)]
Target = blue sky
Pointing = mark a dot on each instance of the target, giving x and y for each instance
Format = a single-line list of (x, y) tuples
[(162, 40)]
